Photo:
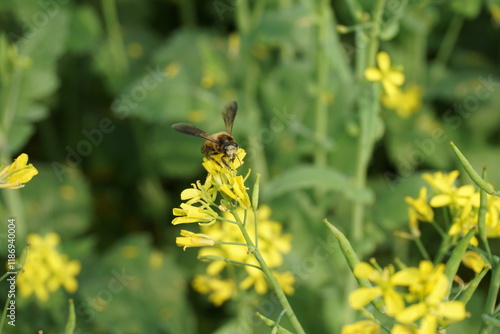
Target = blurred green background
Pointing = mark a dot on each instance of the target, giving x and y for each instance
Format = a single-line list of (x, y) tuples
[(96, 85)]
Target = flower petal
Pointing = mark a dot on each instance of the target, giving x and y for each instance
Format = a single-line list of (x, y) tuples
[(373, 74)]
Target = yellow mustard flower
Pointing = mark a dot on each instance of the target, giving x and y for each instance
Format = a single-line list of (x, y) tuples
[(191, 239), (255, 278), (464, 219), (441, 182), (431, 293), (273, 244), (286, 280), (492, 215), (237, 191), (220, 290), (362, 327), (203, 215), (420, 206), (217, 168), (389, 77), (404, 102), (46, 270), (474, 261), (15, 175), (385, 287), (455, 196), (200, 192)]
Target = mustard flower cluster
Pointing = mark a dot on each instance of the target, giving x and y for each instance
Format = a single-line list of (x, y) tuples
[(46, 270), (462, 202), (222, 207), (405, 101), (417, 298)]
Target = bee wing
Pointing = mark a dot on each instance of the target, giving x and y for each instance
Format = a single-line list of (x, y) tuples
[(228, 115), (191, 130)]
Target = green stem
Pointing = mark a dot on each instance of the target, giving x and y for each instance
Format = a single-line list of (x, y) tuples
[(443, 248), (449, 40), (115, 38), (272, 280), (356, 10), (322, 69), (481, 218), (489, 306), (368, 116), (422, 249), (227, 260), (243, 16)]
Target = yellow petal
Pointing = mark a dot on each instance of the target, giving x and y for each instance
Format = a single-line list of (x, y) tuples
[(400, 329), (397, 78), (383, 61), (365, 270), (393, 301), (373, 74), (429, 325), (474, 261), (362, 327), (412, 313), (406, 277), (359, 298), (453, 310), (440, 200)]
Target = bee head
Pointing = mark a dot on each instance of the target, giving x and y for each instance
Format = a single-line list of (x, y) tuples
[(230, 150)]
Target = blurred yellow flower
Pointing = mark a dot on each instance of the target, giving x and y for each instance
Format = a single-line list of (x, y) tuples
[(419, 205), (362, 327), (441, 182), (17, 173), (219, 290), (384, 287), (389, 77), (46, 270), (172, 70), (273, 244), (416, 297), (431, 293), (474, 261), (404, 102)]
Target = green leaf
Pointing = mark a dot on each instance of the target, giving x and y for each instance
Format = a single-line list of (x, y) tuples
[(85, 30), (303, 177), (468, 8), (132, 276)]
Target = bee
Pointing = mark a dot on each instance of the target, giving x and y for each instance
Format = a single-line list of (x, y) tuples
[(221, 142)]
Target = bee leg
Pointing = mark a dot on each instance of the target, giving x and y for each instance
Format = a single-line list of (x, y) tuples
[(209, 153), (226, 163)]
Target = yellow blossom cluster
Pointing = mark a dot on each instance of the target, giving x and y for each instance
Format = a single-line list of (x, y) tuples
[(415, 297), (404, 101), (462, 203), (46, 270), (221, 206)]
